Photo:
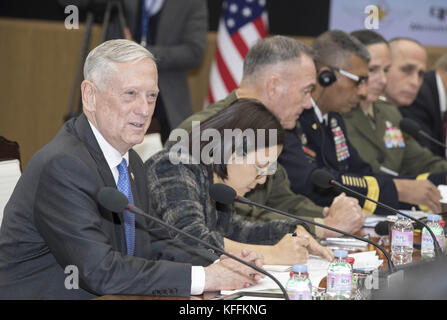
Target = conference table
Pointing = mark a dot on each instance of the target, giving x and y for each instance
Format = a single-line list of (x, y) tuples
[(384, 241)]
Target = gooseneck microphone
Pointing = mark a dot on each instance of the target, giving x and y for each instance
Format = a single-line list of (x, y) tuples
[(324, 179), (413, 128), (115, 201), (227, 195)]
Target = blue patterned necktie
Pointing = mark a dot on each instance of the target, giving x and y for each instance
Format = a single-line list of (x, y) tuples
[(123, 186)]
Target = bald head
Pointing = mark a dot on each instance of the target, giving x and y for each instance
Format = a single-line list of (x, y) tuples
[(405, 77)]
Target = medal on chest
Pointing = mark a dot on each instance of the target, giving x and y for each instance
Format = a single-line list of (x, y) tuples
[(341, 147), (393, 137)]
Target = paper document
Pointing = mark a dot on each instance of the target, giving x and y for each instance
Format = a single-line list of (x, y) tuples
[(372, 220), (368, 260), (443, 190), (316, 267)]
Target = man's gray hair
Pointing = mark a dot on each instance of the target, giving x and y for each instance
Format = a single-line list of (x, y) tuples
[(334, 48), (273, 50), (100, 62)]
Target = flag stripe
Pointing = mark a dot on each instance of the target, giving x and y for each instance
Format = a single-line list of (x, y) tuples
[(231, 55), (218, 88), (227, 78), (259, 24), (240, 44)]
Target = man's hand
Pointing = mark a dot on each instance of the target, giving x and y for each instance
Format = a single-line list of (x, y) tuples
[(419, 192), (229, 274), (344, 214), (291, 249), (313, 246)]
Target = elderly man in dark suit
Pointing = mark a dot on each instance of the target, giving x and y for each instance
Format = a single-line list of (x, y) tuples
[(56, 242), (430, 106)]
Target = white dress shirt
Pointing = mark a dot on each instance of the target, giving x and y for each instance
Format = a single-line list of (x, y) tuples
[(114, 158), (321, 118), (441, 93)]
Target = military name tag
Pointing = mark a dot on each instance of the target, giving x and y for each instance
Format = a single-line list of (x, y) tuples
[(393, 137)]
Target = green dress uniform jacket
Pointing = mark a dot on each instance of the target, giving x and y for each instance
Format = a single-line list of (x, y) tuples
[(275, 192), (380, 143)]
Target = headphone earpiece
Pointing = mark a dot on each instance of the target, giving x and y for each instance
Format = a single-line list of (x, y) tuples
[(326, 78)]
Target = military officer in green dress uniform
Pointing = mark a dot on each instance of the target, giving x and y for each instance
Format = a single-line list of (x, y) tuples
[(373, 127), (320, 139)]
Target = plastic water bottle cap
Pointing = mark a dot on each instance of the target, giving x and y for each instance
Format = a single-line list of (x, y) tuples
[(301, 268), (433, 217), (442, 223), (351, 260), (340, 253)]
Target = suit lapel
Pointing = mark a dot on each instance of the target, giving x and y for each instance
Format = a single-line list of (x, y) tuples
[(85, 133), (430, 79)]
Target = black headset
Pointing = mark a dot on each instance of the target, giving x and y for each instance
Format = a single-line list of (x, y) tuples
[(326, 78)]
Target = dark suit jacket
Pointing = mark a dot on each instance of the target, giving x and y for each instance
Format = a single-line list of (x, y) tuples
[(426, 111), (52, 221), (180, 43)]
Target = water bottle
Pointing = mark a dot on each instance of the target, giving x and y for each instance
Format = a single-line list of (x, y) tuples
[(299, 287), (427, 248), (339, 278), (402, 240)]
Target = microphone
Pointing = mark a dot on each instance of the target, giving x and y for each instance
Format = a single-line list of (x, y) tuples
[(413, 128), (324, 179), (115, 201), (382, 228), (227, 195)]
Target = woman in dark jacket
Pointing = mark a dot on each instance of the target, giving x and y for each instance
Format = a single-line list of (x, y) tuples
[(238, 147)]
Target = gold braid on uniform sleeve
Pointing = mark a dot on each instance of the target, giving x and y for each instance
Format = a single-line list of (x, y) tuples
[(373, 193), (368, 183), (423, 176)]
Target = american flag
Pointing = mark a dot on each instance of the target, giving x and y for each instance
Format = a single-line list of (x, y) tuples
[(243, 22)]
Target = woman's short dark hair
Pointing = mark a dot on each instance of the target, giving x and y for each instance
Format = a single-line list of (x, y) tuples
[(241, 115), (368, 37)]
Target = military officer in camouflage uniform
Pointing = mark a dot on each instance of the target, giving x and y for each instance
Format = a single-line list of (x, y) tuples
[(280, 72)]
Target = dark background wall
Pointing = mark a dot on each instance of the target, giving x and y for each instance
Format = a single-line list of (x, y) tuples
[(291, 17)]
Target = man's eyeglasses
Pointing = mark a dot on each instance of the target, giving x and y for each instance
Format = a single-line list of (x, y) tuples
[(357, 79)]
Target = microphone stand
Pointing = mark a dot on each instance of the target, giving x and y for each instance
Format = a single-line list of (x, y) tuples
[(435, 241), (138, 211), (390, 262)]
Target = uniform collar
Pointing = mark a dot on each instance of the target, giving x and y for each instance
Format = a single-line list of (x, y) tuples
[(321, 118)]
